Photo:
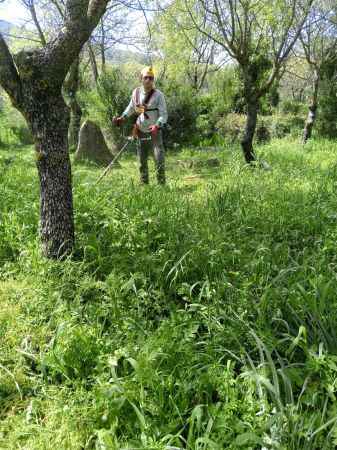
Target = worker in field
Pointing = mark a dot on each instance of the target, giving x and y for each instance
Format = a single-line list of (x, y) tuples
[(149, 104)]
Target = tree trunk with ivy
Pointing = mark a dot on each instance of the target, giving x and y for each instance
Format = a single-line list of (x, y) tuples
[(33, 80)]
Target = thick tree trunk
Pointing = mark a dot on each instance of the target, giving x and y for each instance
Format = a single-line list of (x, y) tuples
[(309, 124), (49, 121), (33, 81), (248, 136)]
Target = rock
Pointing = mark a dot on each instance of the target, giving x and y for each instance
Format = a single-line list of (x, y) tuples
[(92, 145)]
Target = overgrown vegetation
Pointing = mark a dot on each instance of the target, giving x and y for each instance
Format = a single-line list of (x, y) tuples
[(200, 315)]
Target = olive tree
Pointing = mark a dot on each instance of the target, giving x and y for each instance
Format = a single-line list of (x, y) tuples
[(319, 44), (259, 35), (43, 25), (186, 54), (33, 80)]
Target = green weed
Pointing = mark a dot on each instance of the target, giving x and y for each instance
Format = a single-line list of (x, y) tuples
[(200, 315)]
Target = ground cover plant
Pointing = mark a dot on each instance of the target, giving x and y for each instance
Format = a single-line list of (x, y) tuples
[(200, 315)]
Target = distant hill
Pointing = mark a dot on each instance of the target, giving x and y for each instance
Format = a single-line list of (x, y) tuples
[(116, 56)]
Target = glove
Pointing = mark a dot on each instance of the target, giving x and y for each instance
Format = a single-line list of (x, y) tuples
[(154, 129), (118, 121)]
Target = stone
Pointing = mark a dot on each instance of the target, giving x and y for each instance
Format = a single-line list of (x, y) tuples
[(92, 146)]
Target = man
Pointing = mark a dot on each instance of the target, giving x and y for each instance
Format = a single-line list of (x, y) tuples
[(149, 105)]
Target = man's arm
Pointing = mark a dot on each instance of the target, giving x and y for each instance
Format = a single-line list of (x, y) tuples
[(130, 109), (162, 110)]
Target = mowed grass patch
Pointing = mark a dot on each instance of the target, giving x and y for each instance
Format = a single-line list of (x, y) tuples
[(199, 315)]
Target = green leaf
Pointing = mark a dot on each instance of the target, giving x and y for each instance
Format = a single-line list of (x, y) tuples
[(248, 438)]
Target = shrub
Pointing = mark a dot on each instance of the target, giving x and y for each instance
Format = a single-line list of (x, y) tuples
[(276, 126), (231, 126), (282, 125), (226, 91), (182, 108), (108, 99), (289, 106), (327, 117)]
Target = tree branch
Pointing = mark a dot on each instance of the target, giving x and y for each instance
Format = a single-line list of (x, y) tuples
[(31, 6), (9, 76), (81, 18)]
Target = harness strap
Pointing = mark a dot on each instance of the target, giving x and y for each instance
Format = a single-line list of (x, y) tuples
[(143, 106)]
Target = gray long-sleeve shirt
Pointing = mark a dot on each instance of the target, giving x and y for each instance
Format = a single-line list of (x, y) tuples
[(157, 117)]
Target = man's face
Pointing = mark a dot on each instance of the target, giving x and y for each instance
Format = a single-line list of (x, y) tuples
[(147, 81)]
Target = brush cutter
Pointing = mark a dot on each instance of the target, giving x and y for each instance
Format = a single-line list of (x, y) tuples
[(128, 140), (106, 170)]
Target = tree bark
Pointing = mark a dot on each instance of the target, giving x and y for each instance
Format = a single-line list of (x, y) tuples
[(33, 80), (309, 124), (49, 120), (250, 127)]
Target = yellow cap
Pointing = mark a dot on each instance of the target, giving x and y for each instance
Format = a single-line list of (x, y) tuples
[(147, 71)]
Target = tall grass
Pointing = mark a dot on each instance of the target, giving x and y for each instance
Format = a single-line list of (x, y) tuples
[(200, 315)]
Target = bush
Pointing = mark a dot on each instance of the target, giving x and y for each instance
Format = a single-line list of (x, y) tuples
[(282, 125), (108, 99), (226, 92), (231, 126), (289, 106), (182, 108), (327, 116)]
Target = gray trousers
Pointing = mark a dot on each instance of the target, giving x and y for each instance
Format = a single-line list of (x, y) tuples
[(156, 147)]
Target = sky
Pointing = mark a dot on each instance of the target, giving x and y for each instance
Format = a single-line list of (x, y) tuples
[(12, 11)]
